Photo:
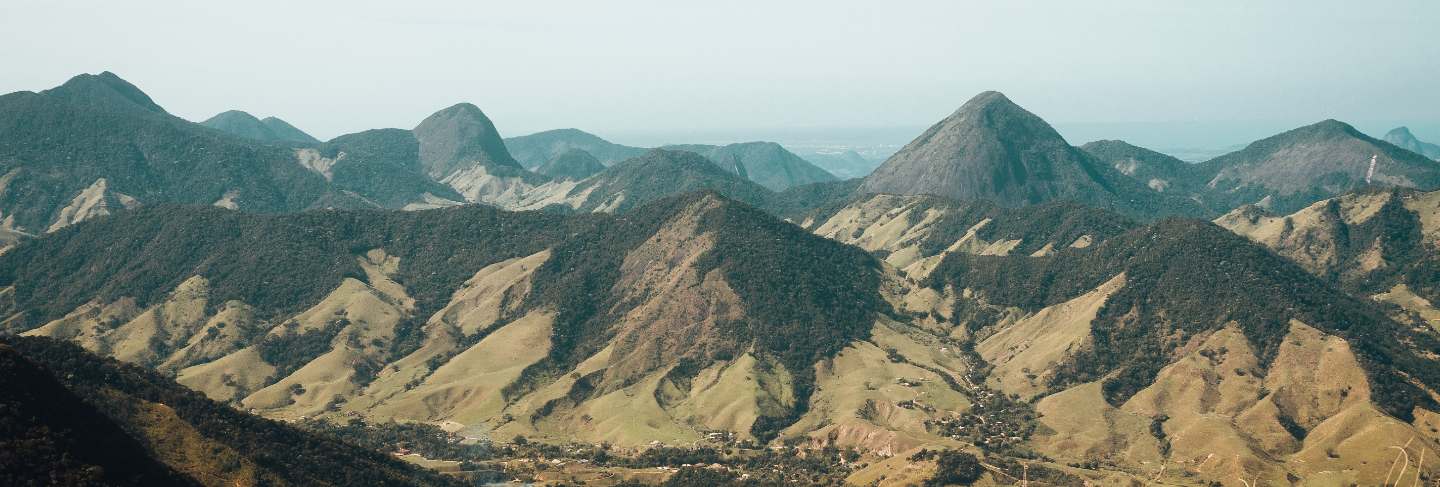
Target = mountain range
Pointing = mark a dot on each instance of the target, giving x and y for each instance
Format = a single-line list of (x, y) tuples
[(991, 296)]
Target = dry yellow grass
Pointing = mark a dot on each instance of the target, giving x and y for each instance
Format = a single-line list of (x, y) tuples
[(1024, 353)]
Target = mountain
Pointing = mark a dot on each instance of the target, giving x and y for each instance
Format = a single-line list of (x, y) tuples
[(459, 137), (382, 167), (656, 174), (96, 140), (538, 148), (914, 233), (843, 164), (766, 163), (1157, 171), (991, 149), (574, 164), (1182, 342), (284, 131), (1291, 170), (1401, 137), (271, 129), (547, 319), (72, 418), (459, 147), (1052, 335), (236, 122), (1379, 243)]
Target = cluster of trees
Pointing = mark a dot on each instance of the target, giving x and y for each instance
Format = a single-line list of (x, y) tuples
[(952, 467), (425, 439)]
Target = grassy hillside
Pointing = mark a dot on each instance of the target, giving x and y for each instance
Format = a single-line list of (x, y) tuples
[(1187, 277)]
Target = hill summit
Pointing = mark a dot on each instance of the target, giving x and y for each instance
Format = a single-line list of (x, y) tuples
[(992, 149)]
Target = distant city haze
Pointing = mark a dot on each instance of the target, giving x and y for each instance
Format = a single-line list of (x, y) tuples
[(1170, 75)]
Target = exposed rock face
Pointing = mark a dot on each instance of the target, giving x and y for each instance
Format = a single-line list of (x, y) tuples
[(1401, 136), (656, 174), (991, 149), (95, 200), (458, 137)]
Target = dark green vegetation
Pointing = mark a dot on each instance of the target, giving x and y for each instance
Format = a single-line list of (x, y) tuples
[(49, 436), (382, 166), (536, 149), (1392, 236), (766, 163), (280, 264), (660, 173), (1396, 232), (573, 164), (1188, 277), (1160, 172), (91, 426), (57, 142), (952, 467), (427, 440), (270, 129), (805, 297), (796, 202)]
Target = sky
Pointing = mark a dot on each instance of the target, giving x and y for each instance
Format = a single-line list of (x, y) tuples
[(1166, 73)]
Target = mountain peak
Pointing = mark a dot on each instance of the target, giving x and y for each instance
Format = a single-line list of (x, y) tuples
[(456, 137), (1300, 166), (1401, 131), (465, 109), (105, 89), (243, 124), (989, 98), (284, 131), (1401, 136), (990, 149)]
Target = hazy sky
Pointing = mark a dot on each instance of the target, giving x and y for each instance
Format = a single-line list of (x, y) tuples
[(640, 69)]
